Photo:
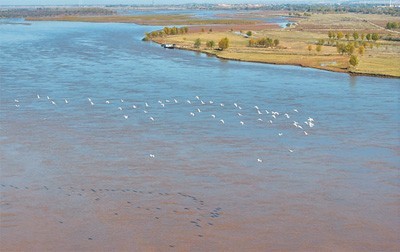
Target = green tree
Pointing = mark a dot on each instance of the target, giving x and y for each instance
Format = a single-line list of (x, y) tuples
[(368, 37), (347, 36), (355, 35), (210, 44), (362, 36), (167, 30), (276, 42), (353, 60), (341, 48), (375, 36), (361, 50), (249, 33), (350, 48), (197, 43), (318, 48), (339, 35), (331, 35), (309, 48), (223, 44)]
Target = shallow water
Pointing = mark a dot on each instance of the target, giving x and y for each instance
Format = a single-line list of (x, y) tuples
[(78, 176)]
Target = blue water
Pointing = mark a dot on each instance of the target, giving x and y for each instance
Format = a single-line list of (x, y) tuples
[(343, 173)]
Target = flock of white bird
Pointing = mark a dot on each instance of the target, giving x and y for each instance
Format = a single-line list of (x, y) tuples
[(196, 104)]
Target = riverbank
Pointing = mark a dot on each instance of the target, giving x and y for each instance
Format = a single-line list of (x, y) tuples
[(303, 45), (277, 59), (300, 44)]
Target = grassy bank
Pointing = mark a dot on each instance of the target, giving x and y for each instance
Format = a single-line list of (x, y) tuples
[(298, 46)]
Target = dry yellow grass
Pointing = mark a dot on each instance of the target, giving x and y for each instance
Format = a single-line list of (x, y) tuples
[(176, 19), (293, 46)]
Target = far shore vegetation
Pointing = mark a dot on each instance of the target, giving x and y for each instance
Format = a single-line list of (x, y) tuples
[(172, 19)]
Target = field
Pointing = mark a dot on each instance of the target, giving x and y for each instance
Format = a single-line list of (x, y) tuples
[(381, 59)]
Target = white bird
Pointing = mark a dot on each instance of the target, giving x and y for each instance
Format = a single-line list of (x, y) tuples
[(241, 122), (191, 113), (188, 101), (239, 107), (151, 118), (175, 100), (159, 101), (146, 104), (266, 111), (221, 104), (17, 105), (198, 98), (108, 102), (295, 110), (126, 117), (256, 107), (310, 119), (299, 126), (222, 121), (311, 124), (167, 101), (290, 150), (213, 116), (274, 116), (16, 100), (305, 133), (89, 99), (211, 102), (48, 98), (287, 116), (202, 103), (270, 121), (38, 96), (134, 106), (235, 104), (91, 103), (119, 108), (259, 119), (144, 111), (198, 110), (163, 105), (122, 100), (280, 134), (259, 160), (239, 114), (259, 112), (53, 102), (66, 101), (152, 155)]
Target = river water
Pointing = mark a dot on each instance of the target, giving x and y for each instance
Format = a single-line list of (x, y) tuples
[(110, 143)]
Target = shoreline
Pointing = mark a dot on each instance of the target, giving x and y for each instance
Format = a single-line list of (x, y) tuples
[(339, 70), (276, 58)]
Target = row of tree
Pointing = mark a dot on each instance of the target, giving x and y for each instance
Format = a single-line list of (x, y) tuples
[(263, 42), (166, 31), (355, 35), (222, 44), (393, 25)]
